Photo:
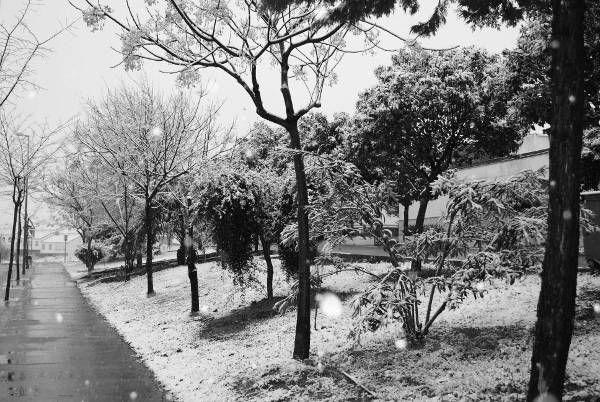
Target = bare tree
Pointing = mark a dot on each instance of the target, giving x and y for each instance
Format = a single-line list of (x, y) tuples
[(148, 139), (68, 189), (249, 43), (19, 164), (19, 47)]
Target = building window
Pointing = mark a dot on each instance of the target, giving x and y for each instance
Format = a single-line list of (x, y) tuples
[(49, 246), (43, 246)]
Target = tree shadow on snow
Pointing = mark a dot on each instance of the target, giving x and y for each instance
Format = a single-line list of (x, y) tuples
[(237, 320)]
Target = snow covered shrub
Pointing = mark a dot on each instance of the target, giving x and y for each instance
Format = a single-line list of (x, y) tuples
[(492, 229), (90, 257), (229, 204)]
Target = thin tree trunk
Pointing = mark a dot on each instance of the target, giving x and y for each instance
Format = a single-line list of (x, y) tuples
[(181, 251), (26, 232), (149, 244), (12, 249), (89, 264), (18, 243), (556, 304), (266, 248), (405, 223), (417, 263), (302, 338)]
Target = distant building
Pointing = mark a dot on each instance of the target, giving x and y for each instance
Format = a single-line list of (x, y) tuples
[(532, 155), (45, 243)]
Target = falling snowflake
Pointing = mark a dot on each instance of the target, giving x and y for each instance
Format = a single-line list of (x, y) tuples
[(545, 397), (133, 395), (156, 133), (329, 304), (401, 343), (58, 317)]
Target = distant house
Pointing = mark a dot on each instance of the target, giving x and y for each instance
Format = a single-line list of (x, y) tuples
[(46, 242)]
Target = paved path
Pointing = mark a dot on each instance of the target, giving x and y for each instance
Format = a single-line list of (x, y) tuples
[(54, 347)]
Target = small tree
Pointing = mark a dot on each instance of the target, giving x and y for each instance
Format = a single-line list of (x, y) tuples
[(229, 203), (77, 202), (89, 255)]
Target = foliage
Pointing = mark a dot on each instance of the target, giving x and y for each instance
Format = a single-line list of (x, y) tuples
[(428, 112), (492, 229), (475, 12), (321, 136), (229, 202), (89, 257), (529, 66)]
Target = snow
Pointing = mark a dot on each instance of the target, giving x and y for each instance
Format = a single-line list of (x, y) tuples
[(238, 348)]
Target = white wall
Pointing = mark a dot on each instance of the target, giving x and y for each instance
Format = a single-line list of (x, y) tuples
[(500, 169)]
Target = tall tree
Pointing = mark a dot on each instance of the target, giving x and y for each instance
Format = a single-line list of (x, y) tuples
[(429, 111), (530, 64), (150, 140), (556, 305), (249, 43)]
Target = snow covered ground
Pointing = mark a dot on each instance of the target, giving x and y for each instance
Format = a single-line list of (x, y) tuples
[(239, 349)]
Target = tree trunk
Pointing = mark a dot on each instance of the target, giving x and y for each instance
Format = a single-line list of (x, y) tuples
[(302, 338), (192, 271), (12, 251), (424, 201), (18, 243), (405, 223), (89, 264), (26, 232), (556, 304), (149, 244), (266, 248), (181, 234)]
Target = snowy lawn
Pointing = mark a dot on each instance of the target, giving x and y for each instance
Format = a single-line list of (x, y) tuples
[(238, 348)]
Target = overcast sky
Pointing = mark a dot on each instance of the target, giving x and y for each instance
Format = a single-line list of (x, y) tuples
[(80, 65)]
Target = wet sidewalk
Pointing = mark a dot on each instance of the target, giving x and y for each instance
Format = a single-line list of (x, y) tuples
[(54, 347)]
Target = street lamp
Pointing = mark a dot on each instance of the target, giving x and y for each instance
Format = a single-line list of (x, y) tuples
[(26, 185)]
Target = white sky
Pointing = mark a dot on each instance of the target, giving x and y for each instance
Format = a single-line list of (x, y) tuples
[(79, 66)]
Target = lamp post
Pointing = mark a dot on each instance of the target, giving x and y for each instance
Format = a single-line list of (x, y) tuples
[(66, 236), (26, 217)]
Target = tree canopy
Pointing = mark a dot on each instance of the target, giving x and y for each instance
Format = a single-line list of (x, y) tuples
[(428, 112)]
